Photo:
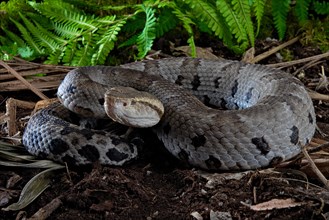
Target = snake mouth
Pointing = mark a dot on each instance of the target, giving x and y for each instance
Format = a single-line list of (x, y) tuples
[(133, 120)]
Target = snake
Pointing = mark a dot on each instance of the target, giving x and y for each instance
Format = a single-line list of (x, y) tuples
[(218, 114)]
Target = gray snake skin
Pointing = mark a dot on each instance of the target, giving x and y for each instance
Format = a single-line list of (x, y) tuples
[(268, 114)]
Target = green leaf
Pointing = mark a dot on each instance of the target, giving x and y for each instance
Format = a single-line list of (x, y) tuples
[(106, 43), (27, 37), (146, 38), (232, 20), (33, 189), (259, 6), (301, 9), (242, 9), (321, 7), (207, 13), (41, 35), (280, 11)]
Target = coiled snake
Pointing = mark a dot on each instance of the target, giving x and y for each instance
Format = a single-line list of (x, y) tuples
[(269, 114)]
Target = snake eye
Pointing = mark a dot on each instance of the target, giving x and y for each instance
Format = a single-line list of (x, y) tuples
[(124, 103)]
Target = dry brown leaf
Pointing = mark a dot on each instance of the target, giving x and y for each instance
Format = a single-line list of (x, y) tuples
[(276, 204)]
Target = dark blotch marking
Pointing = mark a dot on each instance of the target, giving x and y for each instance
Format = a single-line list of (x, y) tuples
[(183, 156), (213, 163), (310, 118), (275, 161), (100, 132), (75, 142), (88, 134), (223, 103), (196, 82), (71, 89), (166, 128), (248, 95), (206, 100), (69, 160), (101, 101), (216, 81), (198, 141), (58, 146), (261, 145), (136, 142), (114, 155), (116, 141), (294, 137), (89, 152), (235, 88), (179, 80)]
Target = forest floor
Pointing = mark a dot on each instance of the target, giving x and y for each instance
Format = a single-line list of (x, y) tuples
[(157, 186)]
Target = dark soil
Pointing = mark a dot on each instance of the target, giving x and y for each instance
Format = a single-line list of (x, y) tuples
[(157, 186)]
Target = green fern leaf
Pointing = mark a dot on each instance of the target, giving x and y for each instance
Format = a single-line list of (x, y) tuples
[(207, 13), (40, 35), (191, 43), (146, 38), (54, 58), (135, 23), (187, 22), (166, 22), (65, 15), (232, 20), (14, 38), (280, 11), (28, 38), (67, 31), (83, 55), (70, 50), (259, 6), (321, 8), (106, 43), (242, 9), (131, 41), (301, 9)]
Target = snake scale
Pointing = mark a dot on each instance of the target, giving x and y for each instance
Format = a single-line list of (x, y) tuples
[(266, 114)]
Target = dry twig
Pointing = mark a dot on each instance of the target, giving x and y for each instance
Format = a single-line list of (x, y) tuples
[(315, 169), (24, 81)]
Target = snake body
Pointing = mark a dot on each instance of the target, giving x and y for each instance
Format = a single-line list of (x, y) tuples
[(268, 115)]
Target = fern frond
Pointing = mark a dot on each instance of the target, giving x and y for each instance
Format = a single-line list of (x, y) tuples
[(28, 38), (301, 9), (232, 20), (83, 55), (206, 12), (41, 35), (69, 51), (15, 38), (146, 38), (131, 41), (191, 43), (54, 57), (187, 22), (259, 6), (166, 22), (242, 9), (65, 16), (106, 43), (67, 31), (321, 8), (280, 11)]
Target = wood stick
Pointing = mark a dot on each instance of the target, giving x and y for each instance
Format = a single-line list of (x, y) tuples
[(24, 81)]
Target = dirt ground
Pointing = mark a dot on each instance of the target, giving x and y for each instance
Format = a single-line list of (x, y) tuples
[(157, 186)]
